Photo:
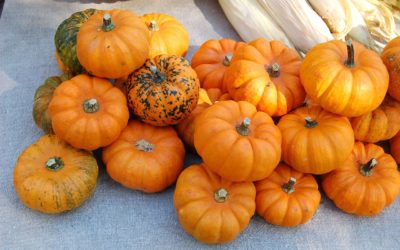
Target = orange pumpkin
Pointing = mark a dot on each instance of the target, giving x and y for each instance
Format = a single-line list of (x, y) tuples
[(391, 58), (211, 61), (314, 140), (164, 91), (88, 112), (349, 80), (210, 208), (237, 142), (207, 97), (144, 157), (287, 197), (381, 124), (112, 43), (395, 147), (50, 176), (266, 74), (168, 36), (366, 183)]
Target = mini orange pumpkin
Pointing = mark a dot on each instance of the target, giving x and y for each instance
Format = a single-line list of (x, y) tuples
[(50, 176), (211, 61), (237, 142), (266, 74), (88, 112), (210, 208), (112, 43), (168, 36), (391, 58), (144, 157), (349, 80), (381, 124), (287, 197), (366, 183), (395, 147), (314, 140)]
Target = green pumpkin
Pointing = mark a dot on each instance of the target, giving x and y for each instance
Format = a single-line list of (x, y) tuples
[(43, 96), (65, 40)]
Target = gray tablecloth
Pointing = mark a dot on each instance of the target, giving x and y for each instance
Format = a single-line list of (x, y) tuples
[(116, 217)]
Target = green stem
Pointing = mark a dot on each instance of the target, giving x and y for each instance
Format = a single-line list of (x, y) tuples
[(243, 128), (54, 163), (367, 169), (107, 23), (91, 105), (310, 123), (274, 70), (350, 54), (158, 76), (144, 146), (153, 26), (227, 59), (289, 186), (221, 195)]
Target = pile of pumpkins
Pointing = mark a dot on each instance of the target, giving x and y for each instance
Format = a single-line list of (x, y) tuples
[(263, 121)]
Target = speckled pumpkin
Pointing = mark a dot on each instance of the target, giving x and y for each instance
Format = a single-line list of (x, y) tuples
[(164, 91), (51, 176), (65, 40), (43, 96)]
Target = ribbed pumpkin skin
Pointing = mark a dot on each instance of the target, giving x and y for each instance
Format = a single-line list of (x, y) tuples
[(117, 52), (83, 129), (248, 78), (391, 58), (51, 191), (150, 171), (43, 96), (167, 99), (339, 89), (395, 147), (170, 37), (287, 209), (65, 40), (232, 154), (319, 149), (211, 62), (381, 124), (202, 216), (362, 195)]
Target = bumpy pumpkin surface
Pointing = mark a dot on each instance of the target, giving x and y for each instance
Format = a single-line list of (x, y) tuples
[(349, 80), (164, 91), (314, 140), (212, 60), (113, 43), (144, 157), (65, 40), (366, 183), (395, 147), (266, 74), (43, 96), (50, 176), (237, 142), (380, 124), (391, 58), (287, 197), (210, 208), (88, 112), (168, 36)]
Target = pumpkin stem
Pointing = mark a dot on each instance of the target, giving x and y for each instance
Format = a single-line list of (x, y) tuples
[(158, 76), (54, 163), (91, 105), (366, 169), (144, 146), (227, 59), (107, 23), (350, 54), (310, 123), (289, 186), (221, 195), (243, 128), (153, 26), (274, 70)]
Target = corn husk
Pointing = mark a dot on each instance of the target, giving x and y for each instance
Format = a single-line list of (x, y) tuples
[(359, 30), (301, 23), (336, 14), (251, 21)]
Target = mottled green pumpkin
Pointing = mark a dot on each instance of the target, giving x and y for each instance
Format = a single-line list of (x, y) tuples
[(65, 40), (43, 96), (164, 91)]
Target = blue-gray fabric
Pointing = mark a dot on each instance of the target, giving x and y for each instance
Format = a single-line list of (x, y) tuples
[(116, 217)]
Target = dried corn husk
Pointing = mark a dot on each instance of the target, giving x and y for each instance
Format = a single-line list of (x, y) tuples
[(251, 21), (359, 30), (336, 14), (379, 20), (301, 23)]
